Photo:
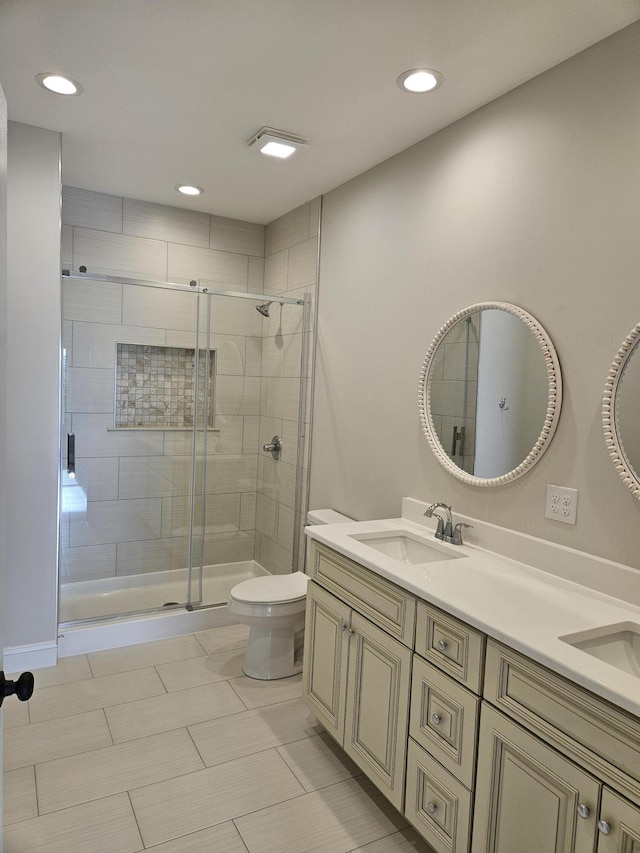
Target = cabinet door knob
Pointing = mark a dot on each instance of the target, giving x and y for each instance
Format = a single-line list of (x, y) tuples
[(442, 645), (342, 625), (436, 719), (604, 827), (350, 632), (431, 808), (583, 811)]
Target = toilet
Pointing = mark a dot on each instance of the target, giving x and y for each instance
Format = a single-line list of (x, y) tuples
[(274, 607)]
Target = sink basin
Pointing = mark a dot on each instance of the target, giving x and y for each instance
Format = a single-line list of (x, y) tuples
[(618, 645), (404, 547)]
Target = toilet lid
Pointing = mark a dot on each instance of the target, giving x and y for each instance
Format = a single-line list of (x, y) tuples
[(272, 589)]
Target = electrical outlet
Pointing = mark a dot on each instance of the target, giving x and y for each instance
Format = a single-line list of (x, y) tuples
[(562, 504)]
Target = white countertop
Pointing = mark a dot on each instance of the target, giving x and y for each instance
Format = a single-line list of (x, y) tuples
[(524, 607)]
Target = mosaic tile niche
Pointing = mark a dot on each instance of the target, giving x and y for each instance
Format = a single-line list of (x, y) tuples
[(156, 386)]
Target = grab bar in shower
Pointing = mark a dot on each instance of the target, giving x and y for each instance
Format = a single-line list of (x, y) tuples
[(71, 455)]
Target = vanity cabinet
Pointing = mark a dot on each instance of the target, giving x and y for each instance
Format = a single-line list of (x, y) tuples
[(357, 677), (484, 750), (545, 770)]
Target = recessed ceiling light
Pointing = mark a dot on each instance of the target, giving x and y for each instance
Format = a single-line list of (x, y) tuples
[(188, 189), (59, 84), (277, 143), (419, 80)]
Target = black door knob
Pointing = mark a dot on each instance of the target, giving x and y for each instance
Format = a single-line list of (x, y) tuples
[(22, 687)]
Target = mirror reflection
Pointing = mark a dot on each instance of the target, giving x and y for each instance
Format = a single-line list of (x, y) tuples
[(627, 410), (487, 392)]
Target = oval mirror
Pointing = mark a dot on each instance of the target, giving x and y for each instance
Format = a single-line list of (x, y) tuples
[(490, 393), (621, 411)]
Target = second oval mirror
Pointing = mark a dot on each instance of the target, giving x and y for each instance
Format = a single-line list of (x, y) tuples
[(490, 393)]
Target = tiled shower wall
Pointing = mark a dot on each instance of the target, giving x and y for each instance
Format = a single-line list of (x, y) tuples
[(136, 485), (291, 269)]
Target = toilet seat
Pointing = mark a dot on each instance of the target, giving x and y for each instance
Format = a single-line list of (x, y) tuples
[(272, 589)]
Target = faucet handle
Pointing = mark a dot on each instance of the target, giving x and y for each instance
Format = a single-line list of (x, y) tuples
[(456, 539), (439, 534)]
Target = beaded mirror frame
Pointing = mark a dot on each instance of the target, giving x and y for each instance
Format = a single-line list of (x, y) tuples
[(610, 422), (554, 396)]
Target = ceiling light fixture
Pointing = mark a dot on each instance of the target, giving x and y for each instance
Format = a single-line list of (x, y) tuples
[(420, 80), (277, 143), (189, 189), (58, 84)]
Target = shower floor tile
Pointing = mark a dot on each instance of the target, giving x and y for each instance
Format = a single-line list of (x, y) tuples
[(180, 751)]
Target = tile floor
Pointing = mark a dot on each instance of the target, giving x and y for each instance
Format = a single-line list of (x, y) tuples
[(167, 747)]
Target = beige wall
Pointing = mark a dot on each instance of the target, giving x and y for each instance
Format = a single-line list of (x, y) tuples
[(3, 377), (533, 199), (33, 350)]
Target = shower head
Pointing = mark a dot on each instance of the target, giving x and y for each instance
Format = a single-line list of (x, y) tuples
[(263, 309)]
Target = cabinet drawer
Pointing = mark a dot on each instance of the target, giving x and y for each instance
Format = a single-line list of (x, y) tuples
[(437, 804), (444, 720), (384, 603), (450, 645), (599, 736)]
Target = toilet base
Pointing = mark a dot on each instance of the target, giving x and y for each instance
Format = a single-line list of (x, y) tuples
[(273, 653)]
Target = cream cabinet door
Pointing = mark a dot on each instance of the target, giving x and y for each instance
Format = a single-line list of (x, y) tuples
[(529, 798), (619, 825), (378, 706), (324, 679)]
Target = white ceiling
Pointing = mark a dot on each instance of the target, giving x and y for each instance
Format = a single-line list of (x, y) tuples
[(173, 89)]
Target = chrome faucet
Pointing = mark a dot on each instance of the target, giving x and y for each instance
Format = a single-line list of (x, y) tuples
[(444, 530)]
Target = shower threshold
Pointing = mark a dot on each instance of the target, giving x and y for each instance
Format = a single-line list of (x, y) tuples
[(107, 629), (117, 597)]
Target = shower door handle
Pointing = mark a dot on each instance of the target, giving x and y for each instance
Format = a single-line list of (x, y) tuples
[(71, 455), (457, 442)]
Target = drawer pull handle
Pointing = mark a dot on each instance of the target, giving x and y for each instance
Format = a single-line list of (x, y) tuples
[(604, 827), (436, 719), (442, 645), (583, 811), (431, 808)]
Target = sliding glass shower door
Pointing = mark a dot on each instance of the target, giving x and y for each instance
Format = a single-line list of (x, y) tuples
[(169, 393), (128, 413), (246, 499)]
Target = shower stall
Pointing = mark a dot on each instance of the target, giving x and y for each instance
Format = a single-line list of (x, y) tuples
[(170, 393)]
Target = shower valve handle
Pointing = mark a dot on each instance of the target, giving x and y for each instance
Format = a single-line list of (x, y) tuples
[(274, 447)]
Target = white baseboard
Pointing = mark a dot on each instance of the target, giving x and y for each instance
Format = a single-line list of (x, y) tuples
[(19, 658)]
